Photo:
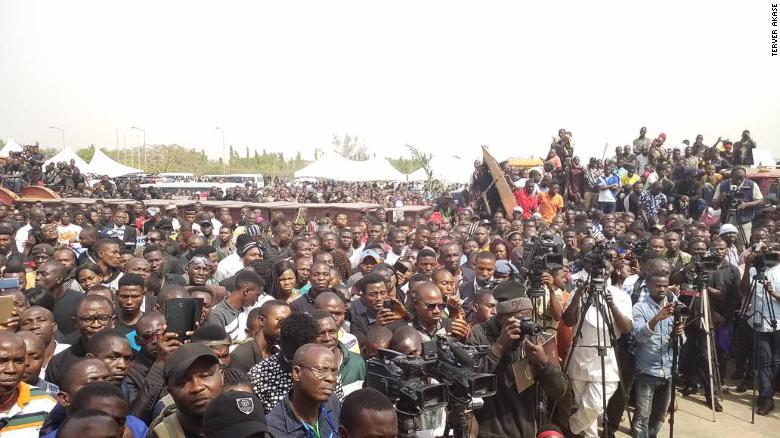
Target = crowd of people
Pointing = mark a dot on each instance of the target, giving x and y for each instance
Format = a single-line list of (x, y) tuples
[(126, 320), (26, 168)]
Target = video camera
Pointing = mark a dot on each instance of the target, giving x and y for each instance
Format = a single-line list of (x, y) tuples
[(766, 256), (543, 256), (403, 380), (456, 367)]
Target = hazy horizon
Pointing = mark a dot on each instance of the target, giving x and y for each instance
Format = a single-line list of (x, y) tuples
[(445, 77)]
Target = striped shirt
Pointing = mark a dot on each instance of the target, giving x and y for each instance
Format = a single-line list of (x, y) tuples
[(25, 418)]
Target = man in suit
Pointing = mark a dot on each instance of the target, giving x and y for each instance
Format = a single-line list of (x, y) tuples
[(485, 265), (119, 229)]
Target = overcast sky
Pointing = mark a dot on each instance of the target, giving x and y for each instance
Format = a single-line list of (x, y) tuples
[(444, 76)]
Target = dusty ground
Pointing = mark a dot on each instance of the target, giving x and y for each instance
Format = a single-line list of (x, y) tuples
[(694, 419)]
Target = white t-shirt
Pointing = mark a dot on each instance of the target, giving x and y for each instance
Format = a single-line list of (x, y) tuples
[(68, 234)]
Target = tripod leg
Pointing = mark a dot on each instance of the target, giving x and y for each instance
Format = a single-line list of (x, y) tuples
[(708, 333)]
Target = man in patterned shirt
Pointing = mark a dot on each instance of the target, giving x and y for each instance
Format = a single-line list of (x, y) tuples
[(23, 408), (271, 379), (652, 201)]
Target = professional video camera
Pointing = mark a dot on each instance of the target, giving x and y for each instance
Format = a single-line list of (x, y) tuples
[(681, 311), (639, 247), (543, 256), (766, 257), (403, 380), (456, 366)]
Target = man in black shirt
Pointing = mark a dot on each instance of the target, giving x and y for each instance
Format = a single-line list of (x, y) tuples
[(52, 276), (129, 298), (93, 314)]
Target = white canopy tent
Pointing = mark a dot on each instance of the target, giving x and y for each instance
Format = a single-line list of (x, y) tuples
[(331, 165), (375, 169), (10, 146), (102, 164), (66, 155), (418, 175)]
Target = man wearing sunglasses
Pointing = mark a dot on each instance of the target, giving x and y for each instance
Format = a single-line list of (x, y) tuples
[(93, 314), (429, 317)]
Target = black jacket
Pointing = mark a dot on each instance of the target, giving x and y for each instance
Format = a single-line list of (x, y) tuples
[(509, 413)]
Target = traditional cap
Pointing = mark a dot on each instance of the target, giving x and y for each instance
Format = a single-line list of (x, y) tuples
[(727, 228)]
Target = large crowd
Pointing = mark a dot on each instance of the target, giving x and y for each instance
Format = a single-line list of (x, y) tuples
[(28, 168), (122, 320)]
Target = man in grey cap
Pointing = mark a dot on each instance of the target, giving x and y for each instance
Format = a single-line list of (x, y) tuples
[(194, 379), (511, 411)]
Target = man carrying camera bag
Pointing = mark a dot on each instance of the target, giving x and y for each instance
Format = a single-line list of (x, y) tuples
[(512, 358), (744, 196)]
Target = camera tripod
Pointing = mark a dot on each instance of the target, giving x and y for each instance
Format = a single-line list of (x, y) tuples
[(594, 297), (537, 301), (705, 318), (749, 311), (676, 343)]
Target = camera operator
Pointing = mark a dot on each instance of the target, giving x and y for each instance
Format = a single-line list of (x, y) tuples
[(510, 413), (744, 196), (585, 369), (722, 286), (653, 328), (761, 316)]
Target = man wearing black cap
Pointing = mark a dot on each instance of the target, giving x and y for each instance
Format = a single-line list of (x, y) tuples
[(311, 408), (511, 412), (194, 379), (235, 414)]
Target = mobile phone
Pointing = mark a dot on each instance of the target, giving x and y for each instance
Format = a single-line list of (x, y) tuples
[(181, 315), (400, 267), (6, 307), (9, 283), (387, 304)]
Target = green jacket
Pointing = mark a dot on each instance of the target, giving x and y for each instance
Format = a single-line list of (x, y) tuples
[(353, 367)]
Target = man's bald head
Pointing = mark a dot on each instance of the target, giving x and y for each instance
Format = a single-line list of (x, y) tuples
[(10, 339), (54, 267), (308, 354), (426, 290), (149, 319), (406, 340), (325, 299)]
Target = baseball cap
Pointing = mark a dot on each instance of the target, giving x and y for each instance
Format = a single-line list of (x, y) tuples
[(505, 268), (153, 210), (170, 207), (370, 253), (234, 414), (183, 357)]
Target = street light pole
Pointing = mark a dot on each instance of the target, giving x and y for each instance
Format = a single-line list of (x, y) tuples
[(62, 131), (224, 163), (144, 146)]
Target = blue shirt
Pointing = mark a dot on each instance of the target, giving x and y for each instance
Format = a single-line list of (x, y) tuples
[(759, 311), (136, 426), (283, 422), (653, 351)]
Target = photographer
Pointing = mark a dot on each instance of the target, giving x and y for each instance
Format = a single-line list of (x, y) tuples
[(585, 370), (742, 195), (510, 413), (653, 328), (722, 286), (761, 316), (551, 311)]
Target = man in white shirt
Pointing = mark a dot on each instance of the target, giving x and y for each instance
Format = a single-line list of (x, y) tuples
[(584, 368), (34, 219)]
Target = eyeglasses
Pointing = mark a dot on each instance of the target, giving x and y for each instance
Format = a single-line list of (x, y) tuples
[(432, 306), (149, 336), (90, 319), (322, 374)]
